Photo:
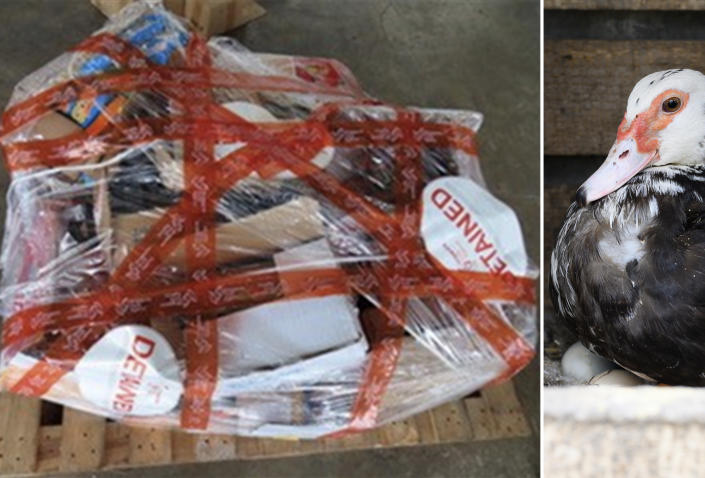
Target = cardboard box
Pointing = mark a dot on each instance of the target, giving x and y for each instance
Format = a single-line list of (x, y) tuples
[(111, 7), (209, 17), (264, 233), (54, 125)]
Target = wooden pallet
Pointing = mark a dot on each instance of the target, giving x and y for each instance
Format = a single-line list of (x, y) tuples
[(84, 442)]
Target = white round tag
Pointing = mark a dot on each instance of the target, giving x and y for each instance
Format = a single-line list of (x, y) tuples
[(132, 370), (466, 228)]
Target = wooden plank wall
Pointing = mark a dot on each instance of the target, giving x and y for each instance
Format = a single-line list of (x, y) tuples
[(594, 53)]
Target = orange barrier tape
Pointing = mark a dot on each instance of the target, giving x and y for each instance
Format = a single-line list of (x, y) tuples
[(76, 148), (385, 354), (241, 290), (201, 337)]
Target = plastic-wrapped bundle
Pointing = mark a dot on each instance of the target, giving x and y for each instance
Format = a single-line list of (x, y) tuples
[(205, 237)]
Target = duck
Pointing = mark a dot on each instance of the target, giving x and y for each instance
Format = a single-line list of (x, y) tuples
[(627, 272)]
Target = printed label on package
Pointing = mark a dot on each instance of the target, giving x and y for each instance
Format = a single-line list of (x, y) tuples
[(132, 370), (465, 228)]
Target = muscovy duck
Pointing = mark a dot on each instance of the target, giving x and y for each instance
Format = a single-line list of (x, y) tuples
[(628, 268)]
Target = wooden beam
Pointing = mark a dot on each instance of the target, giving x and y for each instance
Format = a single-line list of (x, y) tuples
[(150, 446), (507, 411), (452, 423), (19, 433), (82, 441)]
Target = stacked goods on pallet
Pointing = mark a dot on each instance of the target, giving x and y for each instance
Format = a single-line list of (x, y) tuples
[(208, 17), (203, 237), (112, 7)]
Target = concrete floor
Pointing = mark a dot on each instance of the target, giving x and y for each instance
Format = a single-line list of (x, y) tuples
[(474, 54)]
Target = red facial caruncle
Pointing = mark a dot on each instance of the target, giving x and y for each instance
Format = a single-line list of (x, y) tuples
[(646, 125), (636, 147)]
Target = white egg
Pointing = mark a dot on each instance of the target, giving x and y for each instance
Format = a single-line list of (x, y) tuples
[(616, 377), (581, 364)]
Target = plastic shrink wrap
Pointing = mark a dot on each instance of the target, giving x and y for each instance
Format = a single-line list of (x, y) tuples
[(204, 237)]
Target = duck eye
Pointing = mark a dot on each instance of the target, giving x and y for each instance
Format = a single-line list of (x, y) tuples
[(671, 105)]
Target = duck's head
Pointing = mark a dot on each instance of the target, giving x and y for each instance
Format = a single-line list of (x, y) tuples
[(664, 124)]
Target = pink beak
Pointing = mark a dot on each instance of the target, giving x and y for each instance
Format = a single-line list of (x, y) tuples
[(622, 163)]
